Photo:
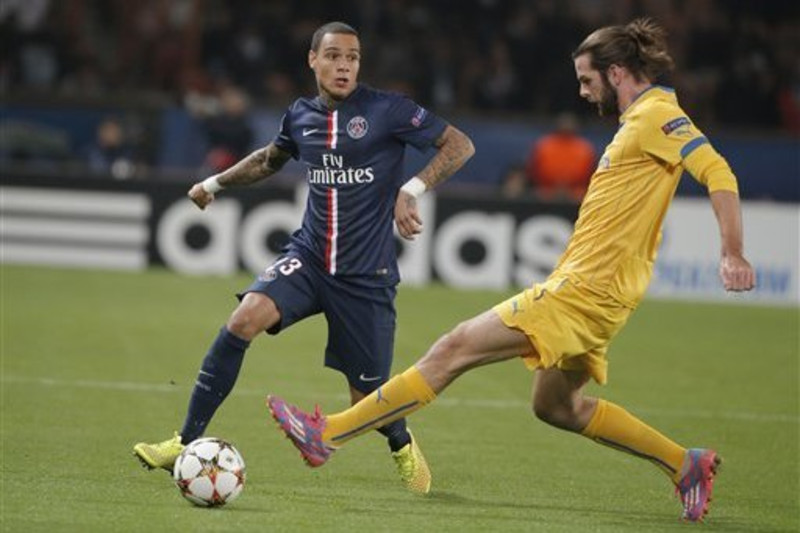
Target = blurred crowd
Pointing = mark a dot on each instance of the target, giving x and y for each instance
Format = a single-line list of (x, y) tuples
[(738, 62)]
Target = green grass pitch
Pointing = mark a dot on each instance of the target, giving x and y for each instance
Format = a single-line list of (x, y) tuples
[(92, 362)]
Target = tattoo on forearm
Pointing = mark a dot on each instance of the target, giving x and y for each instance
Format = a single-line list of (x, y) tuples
[(258, 165), (274, 159), (455, 149)]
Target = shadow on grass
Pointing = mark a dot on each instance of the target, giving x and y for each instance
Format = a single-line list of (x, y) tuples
[(453, 507), (629, 519)]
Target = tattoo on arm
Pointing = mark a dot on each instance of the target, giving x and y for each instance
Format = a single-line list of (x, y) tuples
[(259, 165), (455, 148)]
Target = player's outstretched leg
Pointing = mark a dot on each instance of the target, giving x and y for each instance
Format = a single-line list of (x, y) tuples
[(160, 454), (302, 429), (697, 482), (412, 467)]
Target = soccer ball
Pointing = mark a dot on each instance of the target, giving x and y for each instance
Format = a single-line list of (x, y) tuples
[(209, 472)]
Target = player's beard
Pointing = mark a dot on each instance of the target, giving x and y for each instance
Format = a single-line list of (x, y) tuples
[(608, 106)]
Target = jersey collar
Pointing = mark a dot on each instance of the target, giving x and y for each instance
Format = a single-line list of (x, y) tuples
[(322, 105), (653, 91)]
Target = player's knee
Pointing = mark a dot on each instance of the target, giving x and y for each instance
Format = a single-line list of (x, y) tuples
[(446, 357), (242, 325), (252, 316), (562, 415), (454, 347)]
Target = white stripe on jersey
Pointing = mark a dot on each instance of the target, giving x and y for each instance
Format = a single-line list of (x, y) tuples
[(333, 230), (333, 127)]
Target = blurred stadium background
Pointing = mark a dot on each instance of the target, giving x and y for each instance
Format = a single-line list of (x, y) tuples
[(135, 100)]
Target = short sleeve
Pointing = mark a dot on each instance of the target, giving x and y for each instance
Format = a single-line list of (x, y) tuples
[(284, 139), (668, 134), (413, 124)]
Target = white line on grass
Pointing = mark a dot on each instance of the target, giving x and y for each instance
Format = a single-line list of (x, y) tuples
[(446, 402)]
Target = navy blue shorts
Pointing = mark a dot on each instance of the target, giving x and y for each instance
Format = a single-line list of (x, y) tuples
[(361, 320)]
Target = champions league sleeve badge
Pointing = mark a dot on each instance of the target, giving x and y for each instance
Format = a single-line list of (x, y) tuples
[(418, 117), (357, 127)]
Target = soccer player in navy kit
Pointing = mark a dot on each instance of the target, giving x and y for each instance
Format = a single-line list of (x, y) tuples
[(342, 261)]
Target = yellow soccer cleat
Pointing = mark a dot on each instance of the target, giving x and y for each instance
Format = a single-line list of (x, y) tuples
[(413, 468), (161, 454)]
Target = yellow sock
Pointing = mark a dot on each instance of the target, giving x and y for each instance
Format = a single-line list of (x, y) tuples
[(615, 427), (395, 399)]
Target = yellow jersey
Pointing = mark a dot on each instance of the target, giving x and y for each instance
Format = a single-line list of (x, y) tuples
[(616, 236)]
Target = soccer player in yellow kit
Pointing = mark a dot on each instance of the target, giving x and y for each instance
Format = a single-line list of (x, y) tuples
[(562, 327)]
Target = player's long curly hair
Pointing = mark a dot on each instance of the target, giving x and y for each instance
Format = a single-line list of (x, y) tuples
[(640, 46)]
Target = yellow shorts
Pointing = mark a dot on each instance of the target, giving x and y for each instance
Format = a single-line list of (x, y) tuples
[(569, 327)]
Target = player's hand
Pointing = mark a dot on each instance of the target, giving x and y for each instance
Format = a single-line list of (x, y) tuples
[(736, 273), (406, 216), (200, 196)]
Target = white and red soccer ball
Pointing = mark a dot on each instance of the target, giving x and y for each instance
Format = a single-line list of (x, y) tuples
[(209, 472)]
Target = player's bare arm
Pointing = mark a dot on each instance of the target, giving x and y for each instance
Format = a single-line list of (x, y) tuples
[(259, 165), (454, 149), (735, 271)]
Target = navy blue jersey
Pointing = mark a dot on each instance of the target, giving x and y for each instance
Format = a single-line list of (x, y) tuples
[(354, 160)]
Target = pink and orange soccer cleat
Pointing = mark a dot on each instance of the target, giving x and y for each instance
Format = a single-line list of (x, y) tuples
[(303, 429), (697, 482)]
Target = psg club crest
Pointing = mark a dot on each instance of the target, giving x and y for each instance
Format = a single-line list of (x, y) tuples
[(357, 127)]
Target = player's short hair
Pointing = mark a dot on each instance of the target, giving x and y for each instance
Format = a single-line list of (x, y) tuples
[(330, 27), (640, 46)]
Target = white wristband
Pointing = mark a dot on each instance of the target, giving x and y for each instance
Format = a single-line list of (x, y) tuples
[(415, 187), (212, 185)]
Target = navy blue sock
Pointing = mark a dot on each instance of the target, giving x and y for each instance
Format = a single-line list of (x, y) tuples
[(396, 433), (214, 382)]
